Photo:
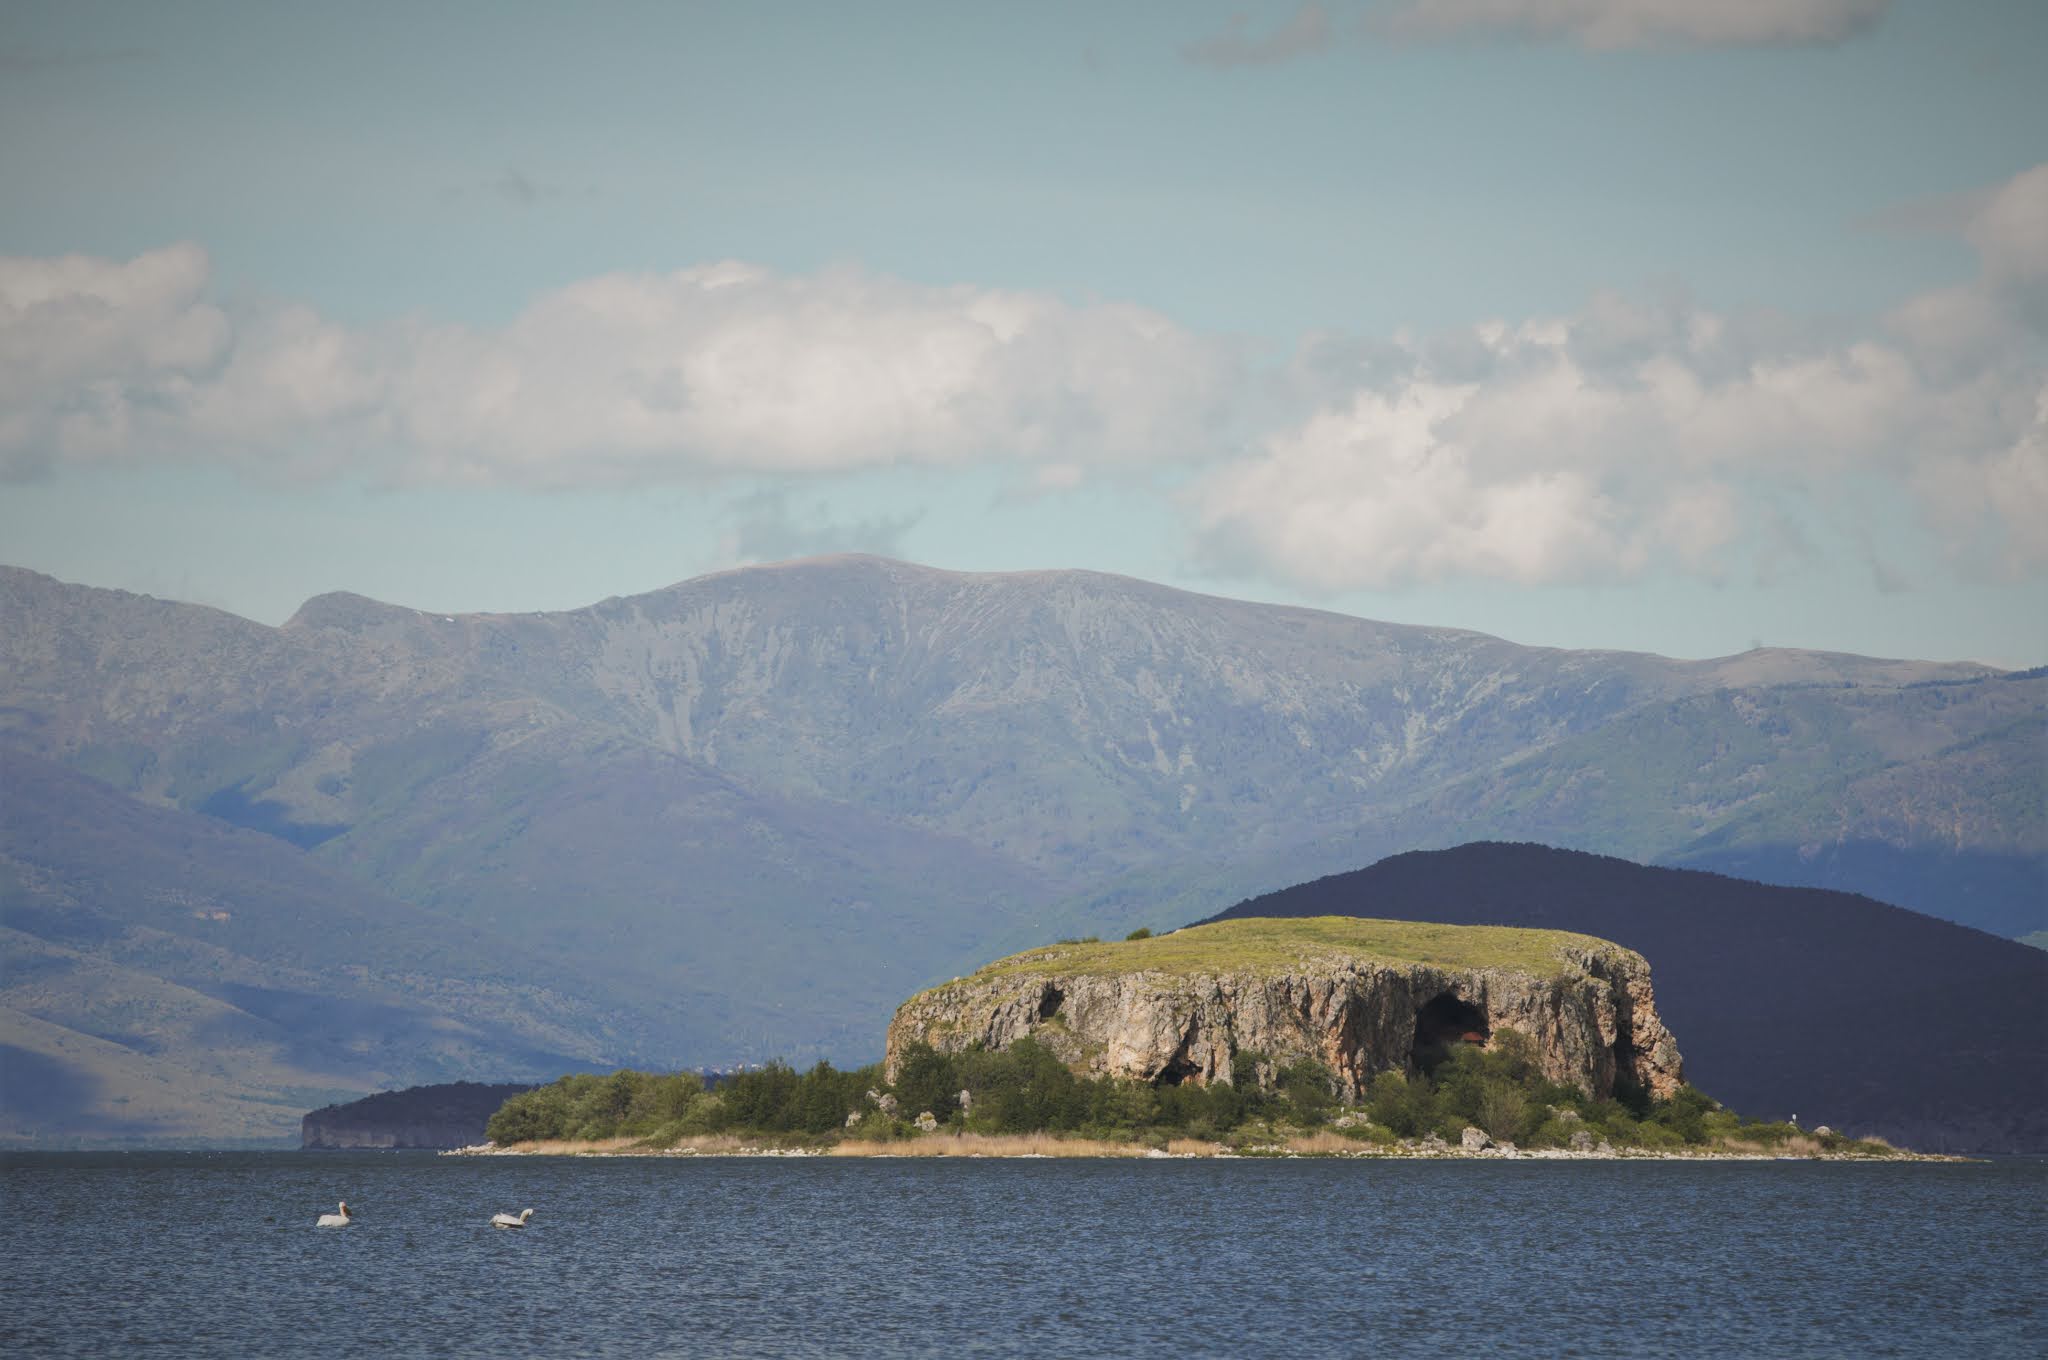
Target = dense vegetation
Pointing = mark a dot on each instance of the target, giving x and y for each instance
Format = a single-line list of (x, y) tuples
[(1025, 1089)]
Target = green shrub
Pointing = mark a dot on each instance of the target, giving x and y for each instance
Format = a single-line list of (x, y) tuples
[(1658, 1137), (1409, 1108), (926, 1080), (1685, 1114), (1027, 1089), (1505, 1112), (1310, 1091)]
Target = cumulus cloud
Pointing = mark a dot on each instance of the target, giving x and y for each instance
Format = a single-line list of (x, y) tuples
[(92, 351), (1634, 435), (1307, 30), (726, 367), (1610, 24)]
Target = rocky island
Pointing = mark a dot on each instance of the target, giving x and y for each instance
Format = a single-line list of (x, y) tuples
[(1319, 1036), (1359, 996)]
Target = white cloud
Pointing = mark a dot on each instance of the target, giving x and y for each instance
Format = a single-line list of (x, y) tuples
[(1611, 24), (2008, 489), (91, 349), (622, 377), (1373, 493), (1631, 436)]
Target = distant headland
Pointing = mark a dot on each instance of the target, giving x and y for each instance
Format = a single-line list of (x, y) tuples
[(448, 1115)]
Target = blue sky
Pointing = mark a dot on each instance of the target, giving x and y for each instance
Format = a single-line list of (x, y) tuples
[(1585, 322)]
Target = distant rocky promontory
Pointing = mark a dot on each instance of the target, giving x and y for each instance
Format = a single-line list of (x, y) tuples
[(1358, 996), (449, 1115)]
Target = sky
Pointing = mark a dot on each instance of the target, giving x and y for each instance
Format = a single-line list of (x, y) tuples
[(1592, 323)]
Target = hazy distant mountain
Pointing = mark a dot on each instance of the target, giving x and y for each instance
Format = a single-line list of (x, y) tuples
[(167, 976), (759, 807), (1786, 1001)]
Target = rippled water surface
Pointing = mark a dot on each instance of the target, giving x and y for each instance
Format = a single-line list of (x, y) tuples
[(216, 1254)]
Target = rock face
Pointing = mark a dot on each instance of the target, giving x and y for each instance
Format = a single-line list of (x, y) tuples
[(449, 1115), (1590, 1013)]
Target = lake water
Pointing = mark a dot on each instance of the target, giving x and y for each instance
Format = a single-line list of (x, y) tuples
[(216, 1254)]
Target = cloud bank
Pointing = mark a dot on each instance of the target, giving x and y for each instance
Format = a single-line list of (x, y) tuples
[(725, 367), (1632, 435), (1607, 25)]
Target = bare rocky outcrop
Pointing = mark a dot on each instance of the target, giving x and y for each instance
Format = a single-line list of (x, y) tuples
[(1594, 1024)]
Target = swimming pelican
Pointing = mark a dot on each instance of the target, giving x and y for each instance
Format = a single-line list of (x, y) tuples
[(340, 1220), (507, 1221)]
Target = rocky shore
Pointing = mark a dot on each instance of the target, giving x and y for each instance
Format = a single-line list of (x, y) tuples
[(1316, 1145)]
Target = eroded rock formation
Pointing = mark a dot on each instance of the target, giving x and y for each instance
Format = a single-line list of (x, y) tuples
[(1593, 1024)]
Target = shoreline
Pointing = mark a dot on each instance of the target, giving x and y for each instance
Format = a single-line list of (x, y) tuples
[(1029, 1147)]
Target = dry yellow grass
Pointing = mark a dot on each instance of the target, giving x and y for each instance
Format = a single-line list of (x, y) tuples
[(1799, 1145), (710, 1144), (551, 1147), (1326, 1145)]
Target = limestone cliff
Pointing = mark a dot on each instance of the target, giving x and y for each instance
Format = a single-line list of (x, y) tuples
[(1359, 996)]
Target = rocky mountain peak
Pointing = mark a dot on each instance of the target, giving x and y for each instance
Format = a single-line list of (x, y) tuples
[(351, 612)]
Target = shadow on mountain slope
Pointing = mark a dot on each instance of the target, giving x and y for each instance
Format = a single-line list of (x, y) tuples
[(1836, 1008)]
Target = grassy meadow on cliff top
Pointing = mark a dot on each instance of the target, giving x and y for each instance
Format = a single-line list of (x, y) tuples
[(1268, 945)]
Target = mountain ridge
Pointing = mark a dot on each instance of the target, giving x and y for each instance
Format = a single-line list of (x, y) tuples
[(759, 807)]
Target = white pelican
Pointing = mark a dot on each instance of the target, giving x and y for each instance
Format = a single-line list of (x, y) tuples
[(508, 1221), (340, 1220)]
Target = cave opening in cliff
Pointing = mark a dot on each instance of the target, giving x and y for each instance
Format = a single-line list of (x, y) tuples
[(1049, 1004), (1441, 1025)]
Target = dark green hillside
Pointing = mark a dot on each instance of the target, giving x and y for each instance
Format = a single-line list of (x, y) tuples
[(1786, 1001), (445, 1115)]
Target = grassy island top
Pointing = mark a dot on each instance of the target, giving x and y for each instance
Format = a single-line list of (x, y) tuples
[(1276, 944)]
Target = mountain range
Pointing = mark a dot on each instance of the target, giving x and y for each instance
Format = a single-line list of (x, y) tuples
[(745, 815)]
